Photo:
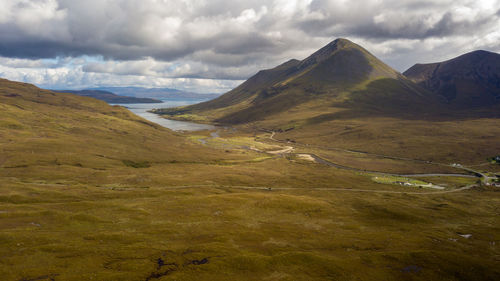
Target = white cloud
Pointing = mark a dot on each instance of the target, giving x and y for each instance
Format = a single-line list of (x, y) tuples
[(66, 76)]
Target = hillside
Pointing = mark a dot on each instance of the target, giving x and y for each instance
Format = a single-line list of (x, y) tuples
[(340, 75), (470, 80), (78, 136), (109, 97)]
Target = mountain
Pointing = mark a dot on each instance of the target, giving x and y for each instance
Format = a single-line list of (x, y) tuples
[(158, 93), (340, 75), (343, 97), (109, 97), (470, 80)]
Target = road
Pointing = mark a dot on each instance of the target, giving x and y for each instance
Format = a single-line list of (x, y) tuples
[(338, 166), (265, 188), (289, 150)]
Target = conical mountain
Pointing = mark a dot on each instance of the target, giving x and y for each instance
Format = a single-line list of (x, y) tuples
[(341, 74), (470, 80)]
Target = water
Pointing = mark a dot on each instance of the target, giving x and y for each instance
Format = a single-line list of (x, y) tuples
[(141, 109)]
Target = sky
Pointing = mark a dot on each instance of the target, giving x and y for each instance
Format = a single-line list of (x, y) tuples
[(211, 46)]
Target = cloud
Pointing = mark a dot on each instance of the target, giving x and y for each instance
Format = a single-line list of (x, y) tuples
[(400, 19), (70, 75), (229, 40)]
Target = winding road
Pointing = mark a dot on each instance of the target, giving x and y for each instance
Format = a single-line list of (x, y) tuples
[(265, 188), (321, 160), (289, 150)]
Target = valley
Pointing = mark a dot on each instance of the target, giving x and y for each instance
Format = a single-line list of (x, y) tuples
[(294, 183), (300, 152)]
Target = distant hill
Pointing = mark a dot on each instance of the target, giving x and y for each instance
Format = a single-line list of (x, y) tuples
[(470, 80), (109, 97), (340, 75), (158, 93)]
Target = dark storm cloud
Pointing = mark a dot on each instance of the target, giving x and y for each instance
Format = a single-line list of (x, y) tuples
[(249, 43), (168, 30), (446, 26), (128, 30), (388, 20)]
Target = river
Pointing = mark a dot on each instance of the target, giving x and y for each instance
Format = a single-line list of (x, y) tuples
[(141, 109)]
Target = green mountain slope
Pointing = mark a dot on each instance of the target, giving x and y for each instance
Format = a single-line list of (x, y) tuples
[(470, 80), (341, 74)]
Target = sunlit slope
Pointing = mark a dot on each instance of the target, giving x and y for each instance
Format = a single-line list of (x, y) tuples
[(341, 74), (41, 129)]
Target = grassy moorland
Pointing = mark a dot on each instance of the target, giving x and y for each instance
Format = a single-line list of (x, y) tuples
[(92, 192), (470, 140), (84, 232)]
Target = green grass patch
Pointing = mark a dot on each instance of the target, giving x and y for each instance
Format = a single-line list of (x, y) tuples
[(399, 181), (494, 160)]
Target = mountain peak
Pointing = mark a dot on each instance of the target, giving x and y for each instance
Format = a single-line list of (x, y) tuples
[(339, 43), (344, 61), (475, 56), (481, 52), (328, 50), (342, 42)]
